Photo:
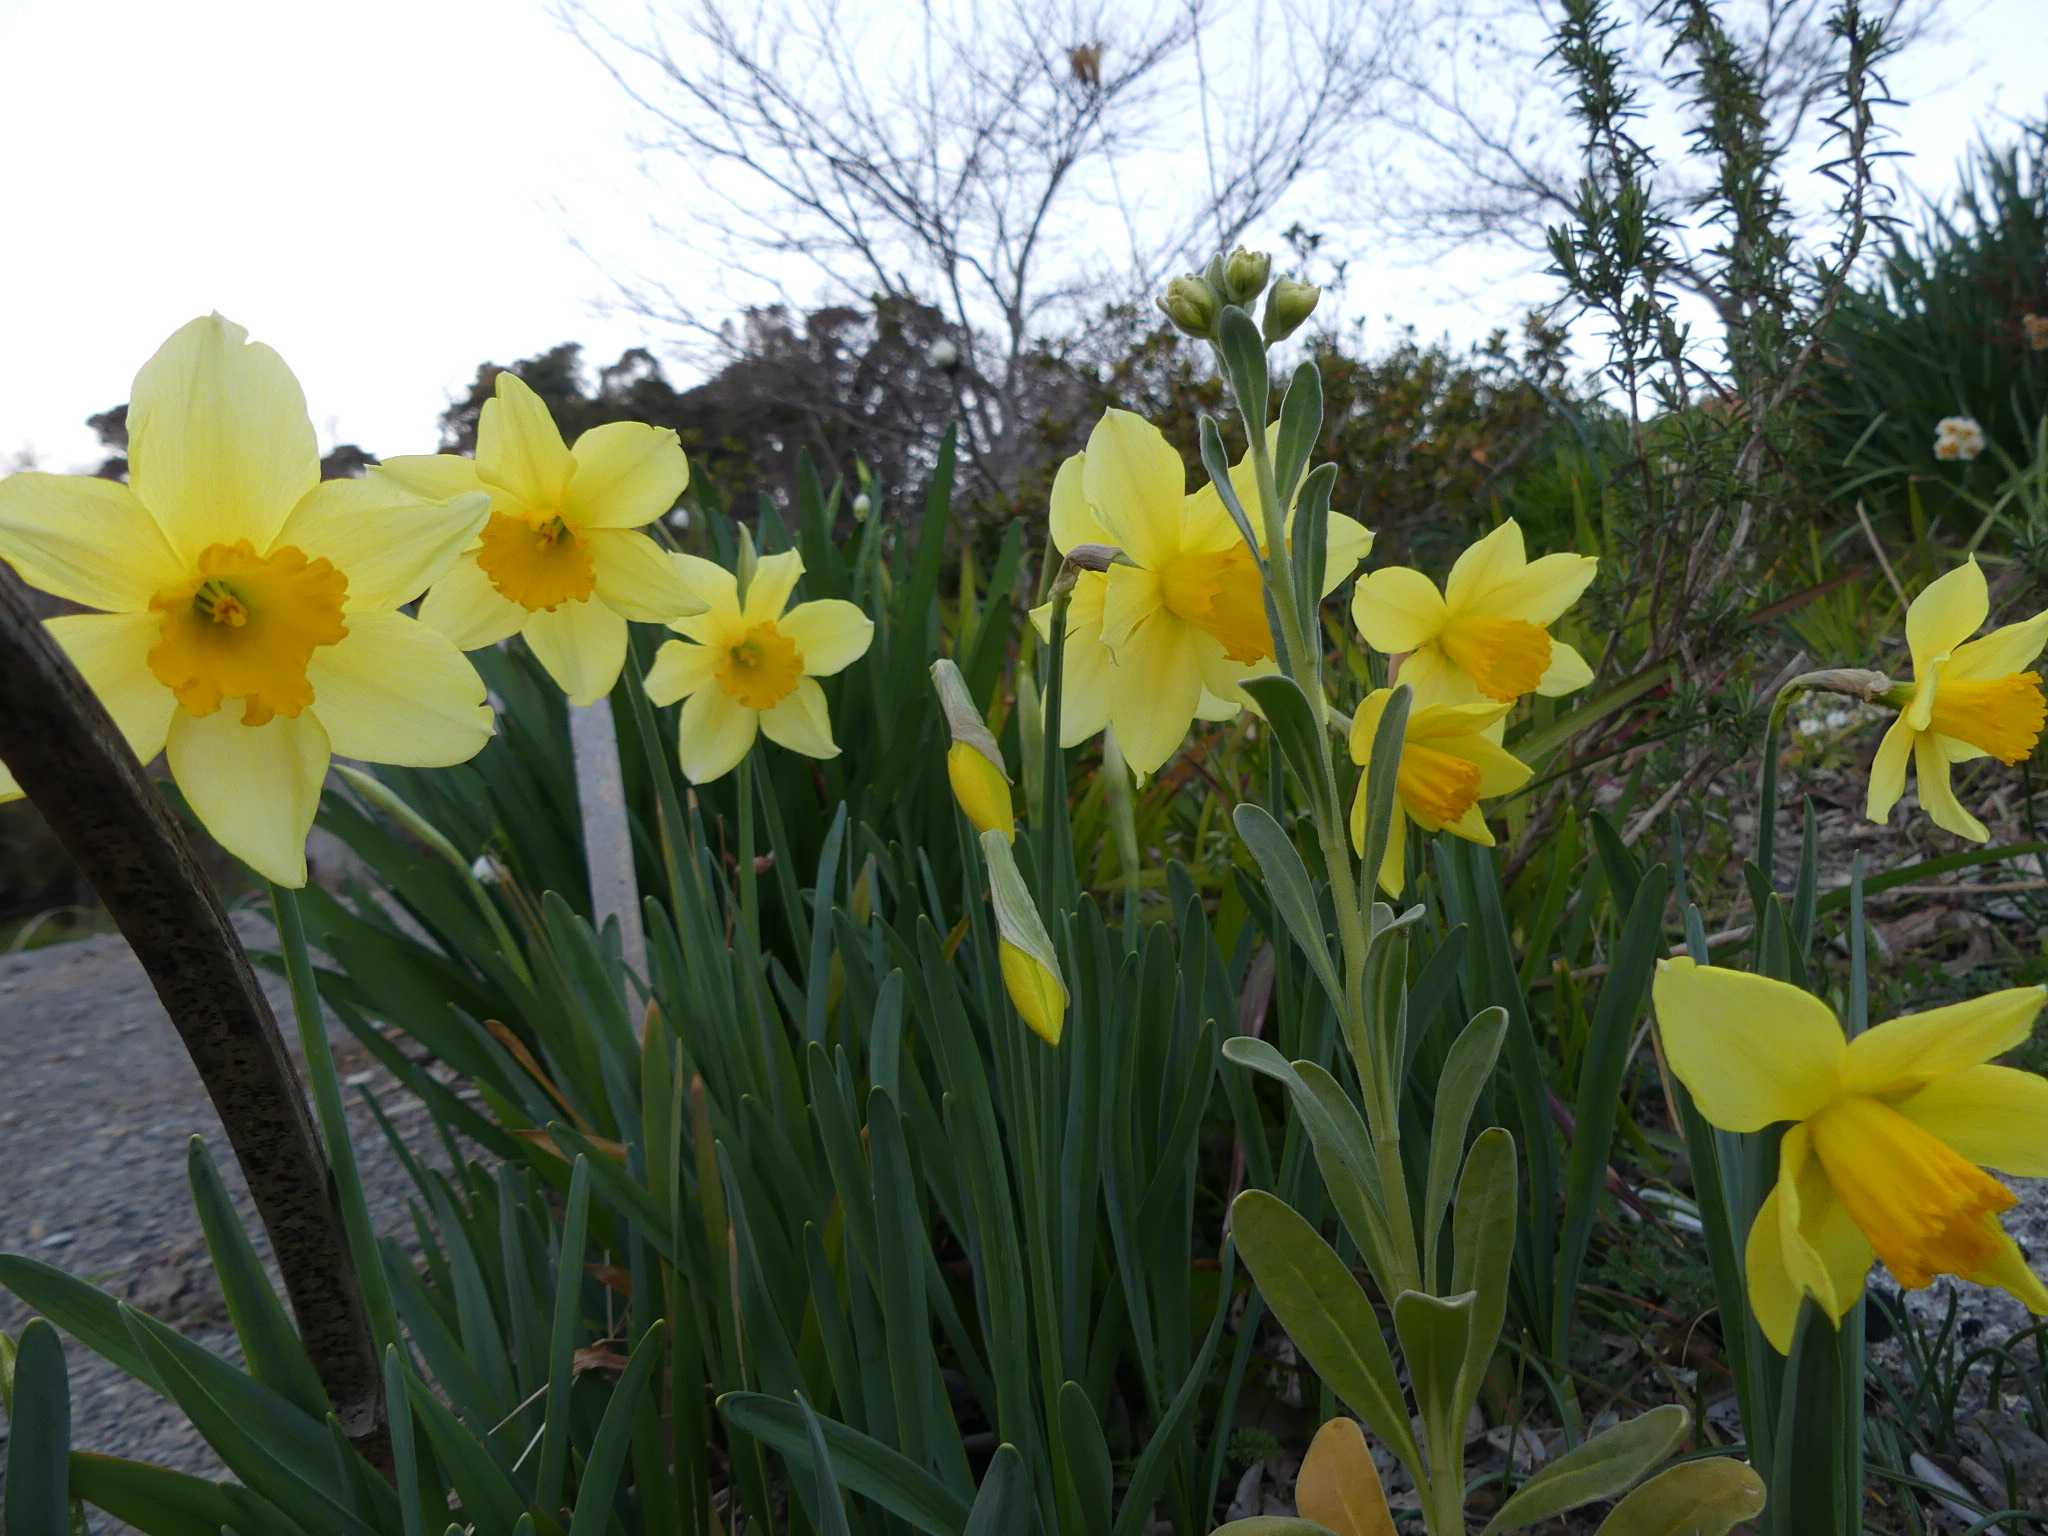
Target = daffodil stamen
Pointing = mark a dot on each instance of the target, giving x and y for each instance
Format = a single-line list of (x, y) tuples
[(761, 668), (2000, 715), (538, 564), (1505, 657), (244, 627), (1925, 1208)]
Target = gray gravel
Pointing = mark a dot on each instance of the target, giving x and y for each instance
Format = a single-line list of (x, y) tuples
[(98, 1106)]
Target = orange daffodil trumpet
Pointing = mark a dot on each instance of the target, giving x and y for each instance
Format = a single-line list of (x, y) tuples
[(561, 560), (247, 617), (1486, 635), (748, 668), (1886, 1134), (1169, 633), (1448, 765), (1968, 699)]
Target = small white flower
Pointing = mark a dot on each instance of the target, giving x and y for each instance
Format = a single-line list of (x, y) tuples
[(1958, 438), (485, 870), (862, 506), (943, 355), (679, 519)]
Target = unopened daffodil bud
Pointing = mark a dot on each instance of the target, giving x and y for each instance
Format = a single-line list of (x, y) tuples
[(974, 763), (1031, 971), (863, 504), (1245, 274), (1192, 304), (1288, 306)]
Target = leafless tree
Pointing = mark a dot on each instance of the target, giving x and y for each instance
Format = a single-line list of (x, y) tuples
[(1021, 164)]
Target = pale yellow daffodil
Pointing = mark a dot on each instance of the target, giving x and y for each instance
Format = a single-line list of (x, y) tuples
[(749, 668), (1487, 634), (1170, 632), (1968, 699), (561, 560), (1886, 1134), (1449, 763), (248, 617)]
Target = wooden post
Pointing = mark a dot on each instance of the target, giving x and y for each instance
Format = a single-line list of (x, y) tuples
[(60, 744)]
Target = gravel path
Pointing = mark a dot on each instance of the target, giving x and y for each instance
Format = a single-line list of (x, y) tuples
[(100, 1102)]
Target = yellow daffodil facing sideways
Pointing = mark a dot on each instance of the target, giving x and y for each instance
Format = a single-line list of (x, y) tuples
[(974, 763), (1448, 765), (1487, 634), (1886, 1134), (747, 667), (1168, 634), (560, 560), (1031, 968), (247, 612), (1968, 699)]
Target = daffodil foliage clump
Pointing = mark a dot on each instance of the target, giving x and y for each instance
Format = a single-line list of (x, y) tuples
[(1065, 1011)]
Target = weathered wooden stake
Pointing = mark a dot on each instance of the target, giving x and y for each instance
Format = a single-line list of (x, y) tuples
[(607, 835)]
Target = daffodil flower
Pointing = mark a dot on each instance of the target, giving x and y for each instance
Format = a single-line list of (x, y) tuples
[(247, 617), (1968, 699), (560, 561), (974, 762), (1487, 634), (749, 668), (1448, 765), (1024, 952), (1885, 1134), (1169, 633)]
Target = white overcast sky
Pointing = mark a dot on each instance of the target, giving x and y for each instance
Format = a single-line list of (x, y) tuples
[(386, 192)]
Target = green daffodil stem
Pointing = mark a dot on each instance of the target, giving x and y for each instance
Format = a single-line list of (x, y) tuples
[(1850, 682), (333, 1117)]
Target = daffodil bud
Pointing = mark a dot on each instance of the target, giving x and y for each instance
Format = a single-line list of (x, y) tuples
[(1287, 306), (1244, 275), (1192, 305), (1031, 971), (749, 557), (974, 763)]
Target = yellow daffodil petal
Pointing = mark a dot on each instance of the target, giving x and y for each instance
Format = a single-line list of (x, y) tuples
[(679, 670), (1159, 683), (832, 634), (1137, 485), (1346, 546), (713, 735), (1932, 771), (1430, 721), (1567, 673), (775, 577), (219, 444), (2009, 1272), (255, 788), (1486, 565), (85, 539), (1825, 1252), (2006, 650), (799, 721), (111, 652), (1132, 595), (1542, 590), (519, 449), (710, 585), (1072, 521), (1397, 609), (1888, 770), (467, 607), (1751, 1051), (636, 578), (396, 691), (1394, 862), (1430, 675), (1774, 1296), (1918, 1048), (1500, 771), (627, 474), (435, 476), (1947, 612), (1088, 675), (390, 542), (582, 646), (1039, 996), (1996, 1116)]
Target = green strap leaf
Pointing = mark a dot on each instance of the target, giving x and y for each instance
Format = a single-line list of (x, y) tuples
[(1003, 1505), (1483, 1250), (1436, 1336), (1287, 882), (1466, 1069), (38, 1495), (864, 1465)]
